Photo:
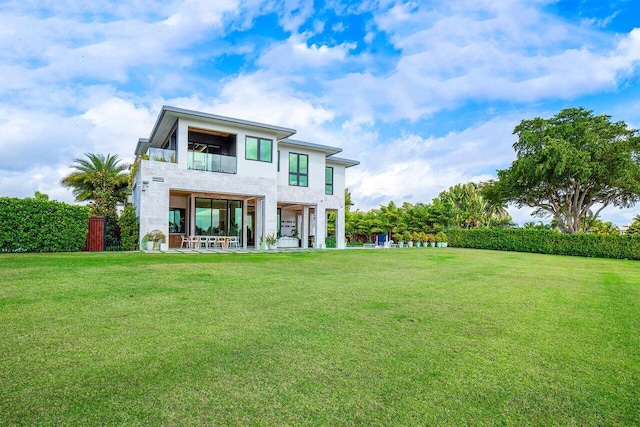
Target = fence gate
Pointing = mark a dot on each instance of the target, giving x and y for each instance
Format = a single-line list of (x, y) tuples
[(96, 235)]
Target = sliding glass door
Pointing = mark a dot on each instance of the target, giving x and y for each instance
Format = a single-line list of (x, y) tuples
[(218, 217)]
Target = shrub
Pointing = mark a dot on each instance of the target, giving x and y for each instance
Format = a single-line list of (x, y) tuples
[(40, 225), (129, 229), (330, 242), (547, 242)]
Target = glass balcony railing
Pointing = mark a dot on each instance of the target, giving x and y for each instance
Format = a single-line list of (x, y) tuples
[(160, 155), (211, 162)]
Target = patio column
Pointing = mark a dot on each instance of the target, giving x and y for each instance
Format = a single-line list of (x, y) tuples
[(192, 216), (244, 223), (270, 215), (259, 219), (305, 227), (340, 240), (321, 226)]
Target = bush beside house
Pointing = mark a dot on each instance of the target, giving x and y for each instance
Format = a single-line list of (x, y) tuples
[(129, 229), (40, 225), (547, 242)]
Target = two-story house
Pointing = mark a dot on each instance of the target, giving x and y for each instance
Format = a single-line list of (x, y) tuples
[(201, 174)]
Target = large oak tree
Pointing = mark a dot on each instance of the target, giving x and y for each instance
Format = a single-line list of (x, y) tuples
[(572, 166)]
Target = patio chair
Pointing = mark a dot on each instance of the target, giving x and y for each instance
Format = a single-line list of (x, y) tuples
[(234, 242), (185, 240), (194, 242), (212, 242)]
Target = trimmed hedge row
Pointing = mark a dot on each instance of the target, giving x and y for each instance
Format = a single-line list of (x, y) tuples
[(547, 242), (38, 225)]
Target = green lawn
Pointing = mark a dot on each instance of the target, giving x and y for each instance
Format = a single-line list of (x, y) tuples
[(356, 337)]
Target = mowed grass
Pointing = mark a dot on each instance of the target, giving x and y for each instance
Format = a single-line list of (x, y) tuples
[(356, 337)]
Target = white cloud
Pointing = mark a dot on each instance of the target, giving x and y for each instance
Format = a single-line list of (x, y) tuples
[(415, 169), (295, 53), (266, 97), (116, 126)]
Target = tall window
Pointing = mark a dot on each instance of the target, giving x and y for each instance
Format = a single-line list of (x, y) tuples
[(176, 220), (298, 169), (258, 149), (328, 180), (218, 217)]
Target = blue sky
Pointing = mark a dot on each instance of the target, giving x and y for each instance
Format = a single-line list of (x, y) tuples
[(424, 93)]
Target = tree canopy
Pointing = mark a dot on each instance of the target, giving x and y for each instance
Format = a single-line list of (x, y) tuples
[(100, 179), (572, 166)]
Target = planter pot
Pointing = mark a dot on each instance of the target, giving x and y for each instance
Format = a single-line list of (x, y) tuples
[(164, 246), (409, 244), (438, 244), (432, 244), (149, 246), (273, 247), (443, 244), (400, 244), (417, 244)]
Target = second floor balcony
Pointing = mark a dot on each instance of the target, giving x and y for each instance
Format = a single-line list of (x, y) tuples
[(211, 162), (160, 155)]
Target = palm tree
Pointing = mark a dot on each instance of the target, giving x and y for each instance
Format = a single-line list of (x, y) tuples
[(99, 179), (103, 181)]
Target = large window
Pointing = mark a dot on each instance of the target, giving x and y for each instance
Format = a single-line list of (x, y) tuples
[(258, 149), (298, 170), (176, 220), (328, 180), (218, 217)]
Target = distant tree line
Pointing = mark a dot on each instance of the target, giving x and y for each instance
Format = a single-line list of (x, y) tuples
[(460, 206)]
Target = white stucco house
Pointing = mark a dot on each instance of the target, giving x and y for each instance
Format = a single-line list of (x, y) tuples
[(204, 174)]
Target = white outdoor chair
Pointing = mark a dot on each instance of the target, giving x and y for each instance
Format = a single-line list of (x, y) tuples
[(212, 242), (185, 240), (194, 242), (234, 242)]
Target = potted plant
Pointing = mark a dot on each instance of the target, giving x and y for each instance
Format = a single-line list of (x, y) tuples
[(424, 239), (417, 237), (154, 239), (272, 242), (262, 243), (441, 239), (431, 239), (408, 238), (400, 239)]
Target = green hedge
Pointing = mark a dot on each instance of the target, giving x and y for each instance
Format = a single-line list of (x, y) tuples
[(38, 225), (129, 229), (547, 242)]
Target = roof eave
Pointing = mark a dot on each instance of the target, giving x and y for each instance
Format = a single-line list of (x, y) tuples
[(328, 150)]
